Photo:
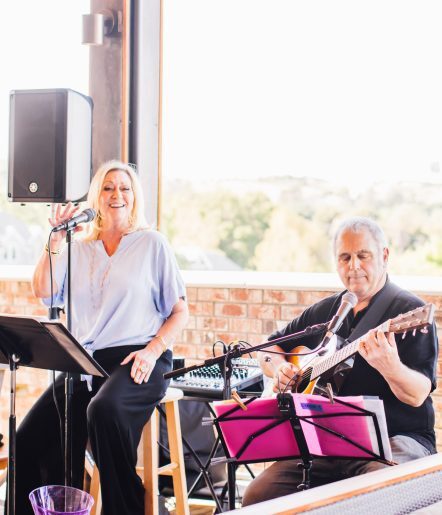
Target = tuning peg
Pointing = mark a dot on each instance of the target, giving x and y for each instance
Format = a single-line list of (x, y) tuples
[(424, 330), (414, 332), (404, 334)]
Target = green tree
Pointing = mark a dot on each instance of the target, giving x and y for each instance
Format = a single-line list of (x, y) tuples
[(293, 230), (293, 244), (217, 220)]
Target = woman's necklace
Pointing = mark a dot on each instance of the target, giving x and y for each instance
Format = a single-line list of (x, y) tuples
[(97, 296)]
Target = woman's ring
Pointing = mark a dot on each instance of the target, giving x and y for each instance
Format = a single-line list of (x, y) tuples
[(143, 368)]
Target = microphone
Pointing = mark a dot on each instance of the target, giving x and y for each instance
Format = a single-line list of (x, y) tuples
[(85, 216), (348, 302)]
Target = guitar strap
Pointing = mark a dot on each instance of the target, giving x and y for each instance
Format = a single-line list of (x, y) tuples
[(376, 310), (370, 320)]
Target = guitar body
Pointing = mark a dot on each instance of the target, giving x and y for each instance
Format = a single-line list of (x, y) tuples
[(302, 362), (303, 383)]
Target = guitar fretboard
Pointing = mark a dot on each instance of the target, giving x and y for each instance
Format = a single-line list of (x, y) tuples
[(328, 362)]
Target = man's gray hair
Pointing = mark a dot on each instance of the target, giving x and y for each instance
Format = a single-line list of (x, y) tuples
[(358, 224)]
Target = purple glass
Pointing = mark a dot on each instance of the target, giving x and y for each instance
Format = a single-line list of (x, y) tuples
[(60, 500)]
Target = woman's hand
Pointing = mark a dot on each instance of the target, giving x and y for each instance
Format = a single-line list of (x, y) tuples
[(144, 362), (61, 214), (41, 283)]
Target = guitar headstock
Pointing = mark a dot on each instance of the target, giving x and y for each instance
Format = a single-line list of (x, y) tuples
[(419, 318)]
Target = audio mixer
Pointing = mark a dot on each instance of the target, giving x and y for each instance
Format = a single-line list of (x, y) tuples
[(208, 381)]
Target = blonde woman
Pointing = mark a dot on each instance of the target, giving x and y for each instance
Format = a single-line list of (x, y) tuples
[(128, 306)]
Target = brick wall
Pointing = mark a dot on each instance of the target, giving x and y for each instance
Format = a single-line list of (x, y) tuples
[(216, 313), (16, 298)]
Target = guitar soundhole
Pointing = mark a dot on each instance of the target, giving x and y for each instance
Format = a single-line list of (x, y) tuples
[(303, 380)]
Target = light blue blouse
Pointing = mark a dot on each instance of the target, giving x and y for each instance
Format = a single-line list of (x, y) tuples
[(121, 299)]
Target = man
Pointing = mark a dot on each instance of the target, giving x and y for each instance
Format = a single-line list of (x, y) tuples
[(402, 374)]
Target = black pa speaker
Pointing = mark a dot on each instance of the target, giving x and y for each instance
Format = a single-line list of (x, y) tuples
[(50, 145)]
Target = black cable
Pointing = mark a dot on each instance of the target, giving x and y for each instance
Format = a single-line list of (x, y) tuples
[(57, 406), (242, 343), (315, 350), (226, 358), (292, 381), (50, 272), (281, 353), (217, 343)]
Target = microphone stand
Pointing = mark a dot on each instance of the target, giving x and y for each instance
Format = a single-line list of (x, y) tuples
[(236, 351), (86, 216), (224, 361), (68, 384)]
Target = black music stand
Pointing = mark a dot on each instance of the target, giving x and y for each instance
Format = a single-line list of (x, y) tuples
[(226, 367), (38, 343), (300, 445)]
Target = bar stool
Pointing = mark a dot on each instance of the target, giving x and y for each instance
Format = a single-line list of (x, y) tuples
[(150, 471)]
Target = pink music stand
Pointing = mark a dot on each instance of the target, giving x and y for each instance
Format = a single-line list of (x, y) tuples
[(301, 426)]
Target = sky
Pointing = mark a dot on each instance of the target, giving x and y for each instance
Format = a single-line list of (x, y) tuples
[(40, 48), (342, 90)]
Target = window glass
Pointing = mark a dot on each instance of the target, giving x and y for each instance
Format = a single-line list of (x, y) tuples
[(40, 49), (281, 117)]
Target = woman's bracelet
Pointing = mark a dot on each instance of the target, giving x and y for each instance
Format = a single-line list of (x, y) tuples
[(163, 343), (48, 250)]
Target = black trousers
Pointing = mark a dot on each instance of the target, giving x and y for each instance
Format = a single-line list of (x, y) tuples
[(112, 416)]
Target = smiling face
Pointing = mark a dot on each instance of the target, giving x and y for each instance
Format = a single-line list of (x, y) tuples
[(116, 199), (361, 263)]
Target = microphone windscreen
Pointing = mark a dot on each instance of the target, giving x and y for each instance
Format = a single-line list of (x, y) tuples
[(90, 213), (351, 298)]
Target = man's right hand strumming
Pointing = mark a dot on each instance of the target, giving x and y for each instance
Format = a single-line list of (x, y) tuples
[(277, 368), (284, 377)]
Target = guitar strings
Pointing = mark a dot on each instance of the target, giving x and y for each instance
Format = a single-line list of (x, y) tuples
[(292, 381)]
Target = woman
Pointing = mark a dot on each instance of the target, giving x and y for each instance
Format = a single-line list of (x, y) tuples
[(127, 308)]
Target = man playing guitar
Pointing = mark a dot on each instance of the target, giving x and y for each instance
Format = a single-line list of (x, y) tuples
[(402, 373)]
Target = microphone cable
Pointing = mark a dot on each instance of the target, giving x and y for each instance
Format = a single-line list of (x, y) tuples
[(51, 313), (50, 275)]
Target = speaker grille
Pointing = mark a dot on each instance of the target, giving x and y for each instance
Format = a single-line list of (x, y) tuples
[(396, 499)]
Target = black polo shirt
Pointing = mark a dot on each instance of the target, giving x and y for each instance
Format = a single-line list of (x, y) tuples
[(418, 352)]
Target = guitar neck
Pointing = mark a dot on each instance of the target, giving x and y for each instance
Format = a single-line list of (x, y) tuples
[(328, 362), (418, 318)]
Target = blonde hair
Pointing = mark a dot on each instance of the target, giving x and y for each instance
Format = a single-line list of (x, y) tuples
[(137, 218)]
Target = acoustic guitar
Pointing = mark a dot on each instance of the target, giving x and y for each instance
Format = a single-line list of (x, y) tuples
[(312, 368)]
